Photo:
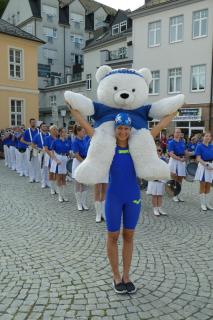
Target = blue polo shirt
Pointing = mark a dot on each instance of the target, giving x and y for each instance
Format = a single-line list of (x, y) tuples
[(205, 152), (178, 147), (80, 146), (26, 135), (48, 141), (39, 139), (62, 146)]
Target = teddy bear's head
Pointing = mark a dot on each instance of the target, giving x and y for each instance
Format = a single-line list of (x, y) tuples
[(123, 88)]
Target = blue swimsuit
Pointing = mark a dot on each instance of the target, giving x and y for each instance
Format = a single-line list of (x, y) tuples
[(123, 193)]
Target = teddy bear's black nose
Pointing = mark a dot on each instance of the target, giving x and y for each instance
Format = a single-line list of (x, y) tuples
[(124, 95)]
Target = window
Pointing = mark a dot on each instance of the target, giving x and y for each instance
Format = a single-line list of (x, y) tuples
[(123, 26), (176, 29), (198, 78), (154, 33), (77, 20), (16, 112), (122, 53), (115, 29), (89, 82), (154, 87), (52, 101), (50, 32), (16, 63), (49, 11), (78, 41), (50, 61), (200, 23), (175, 78)]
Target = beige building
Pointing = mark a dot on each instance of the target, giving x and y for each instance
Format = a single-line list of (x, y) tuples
[(19, 95), (174, 39)]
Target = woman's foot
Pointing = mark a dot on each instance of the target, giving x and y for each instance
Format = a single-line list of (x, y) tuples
[(156, 212), (120, 287), (130, 287)]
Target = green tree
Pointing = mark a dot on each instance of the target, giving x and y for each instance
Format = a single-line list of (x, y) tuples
[(3, 4)]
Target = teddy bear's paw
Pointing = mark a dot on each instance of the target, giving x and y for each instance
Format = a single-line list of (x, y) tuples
[(155, 170), (89, 172)]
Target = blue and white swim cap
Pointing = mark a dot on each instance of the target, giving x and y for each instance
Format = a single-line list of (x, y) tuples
[(123, 119)]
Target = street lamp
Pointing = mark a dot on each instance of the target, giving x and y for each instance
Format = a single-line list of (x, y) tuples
[(63, 114)]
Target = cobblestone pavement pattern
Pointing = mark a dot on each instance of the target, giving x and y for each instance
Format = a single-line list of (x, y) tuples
[(53, 263)]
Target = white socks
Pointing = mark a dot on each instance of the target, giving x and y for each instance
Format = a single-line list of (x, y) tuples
[(84, 200), (78, 200), (98, 211)]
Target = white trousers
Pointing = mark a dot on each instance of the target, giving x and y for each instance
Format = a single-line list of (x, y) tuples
[(13, 157), (23, 163), (6, 155), (43, 169), (34, 168), (18, 162)]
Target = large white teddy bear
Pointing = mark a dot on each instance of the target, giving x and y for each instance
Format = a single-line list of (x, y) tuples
[(122, 90)]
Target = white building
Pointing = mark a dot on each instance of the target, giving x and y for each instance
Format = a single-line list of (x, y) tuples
[(174, 39)]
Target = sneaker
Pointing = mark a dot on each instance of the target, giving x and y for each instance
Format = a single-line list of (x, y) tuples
[(156, 212), (60, 199), (162, 212), (119, 288), (203, 207), (65, 199), (180, 199), (43, 186), (85, 207), (52, 191), (209, 206), (175, 199), (130, 287), (80, 208)]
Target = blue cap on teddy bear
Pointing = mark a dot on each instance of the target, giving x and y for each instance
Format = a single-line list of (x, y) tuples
[(123, 119), (124, 71)]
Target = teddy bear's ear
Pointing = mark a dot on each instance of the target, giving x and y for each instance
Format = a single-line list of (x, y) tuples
[(147, 75), (102, 72)]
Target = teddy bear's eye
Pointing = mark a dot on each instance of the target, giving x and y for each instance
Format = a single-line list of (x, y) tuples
[(115, 88), (133, 90)]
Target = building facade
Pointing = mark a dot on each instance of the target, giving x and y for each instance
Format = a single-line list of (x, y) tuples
[(174, 40), (112, 47), (64, 25), (19, 94)]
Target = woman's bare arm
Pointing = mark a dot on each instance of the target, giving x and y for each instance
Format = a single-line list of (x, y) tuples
[(162, 124), (83, 123)]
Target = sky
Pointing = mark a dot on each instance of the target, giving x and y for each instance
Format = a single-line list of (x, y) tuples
[(123, 4)]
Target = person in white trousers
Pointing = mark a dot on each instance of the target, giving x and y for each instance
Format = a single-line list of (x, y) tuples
[(204, 173), (32, 155), (38, 144)]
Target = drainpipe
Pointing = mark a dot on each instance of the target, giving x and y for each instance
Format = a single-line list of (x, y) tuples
[(211, 100), (35, 27), (64, 52)]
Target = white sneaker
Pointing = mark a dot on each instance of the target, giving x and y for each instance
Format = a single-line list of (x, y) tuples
[(209, 207), (43, 186), (79, 206), (65, 199), (203, 207), (180, 198), (60, 199), (156, 212), (175, 199), (52, 191), (162, 212), (21, 175)]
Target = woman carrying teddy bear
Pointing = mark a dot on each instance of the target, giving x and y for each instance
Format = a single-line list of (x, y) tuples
[(122, 202)]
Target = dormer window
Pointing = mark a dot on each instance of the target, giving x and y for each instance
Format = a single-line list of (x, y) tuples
[(123, 26), (115, 29)]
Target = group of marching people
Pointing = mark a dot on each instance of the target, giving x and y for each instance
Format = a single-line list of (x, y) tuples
[(42, 154)]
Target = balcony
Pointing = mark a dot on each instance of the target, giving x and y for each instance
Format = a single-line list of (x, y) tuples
[(119, 56), (57, 81)]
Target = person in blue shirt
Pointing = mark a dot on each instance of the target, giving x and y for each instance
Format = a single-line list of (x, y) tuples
[(32, 155), (156, 189), (80, 148), (61, 150), (6, 145), (38, 144), (22, 149), (177, 162), (204, 173), (48, 142), (123, 198)]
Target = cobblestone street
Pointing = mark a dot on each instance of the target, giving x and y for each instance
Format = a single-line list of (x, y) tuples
[(53, 261)]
